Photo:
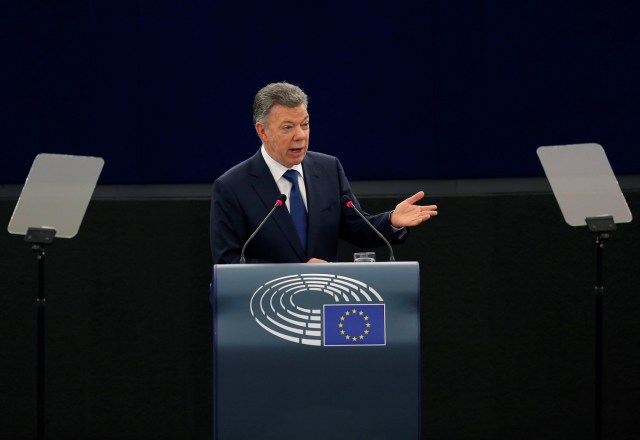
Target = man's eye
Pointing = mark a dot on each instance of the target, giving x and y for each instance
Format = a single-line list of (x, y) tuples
[(305, 125), (286, 128)]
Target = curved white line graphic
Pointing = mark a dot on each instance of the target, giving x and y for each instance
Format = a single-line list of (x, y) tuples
[(275, 309)]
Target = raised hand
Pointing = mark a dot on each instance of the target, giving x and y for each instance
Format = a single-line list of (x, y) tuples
[(407, 213)]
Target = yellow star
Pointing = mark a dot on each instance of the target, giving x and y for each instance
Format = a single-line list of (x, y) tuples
[(346, 313), (348, 337), (342, 318), (366, 332), (368, 324), (366, 318), (361, 313), (354, 311), (340, 325), (354, 339), (361, 337), (342, 332)]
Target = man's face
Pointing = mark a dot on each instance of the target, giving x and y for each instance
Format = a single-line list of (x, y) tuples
[(286, 134)]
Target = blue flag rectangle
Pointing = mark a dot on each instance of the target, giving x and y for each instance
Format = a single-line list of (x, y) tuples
[(354, 324)]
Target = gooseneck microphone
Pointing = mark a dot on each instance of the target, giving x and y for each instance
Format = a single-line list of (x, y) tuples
[(279, 202), (349, 204)]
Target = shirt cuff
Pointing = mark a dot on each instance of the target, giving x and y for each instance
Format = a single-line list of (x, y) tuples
[(397, 231)]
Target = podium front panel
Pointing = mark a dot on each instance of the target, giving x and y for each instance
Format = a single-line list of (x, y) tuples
[(316, 351)]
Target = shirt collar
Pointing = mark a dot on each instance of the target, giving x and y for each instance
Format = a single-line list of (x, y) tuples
[(277, 169)]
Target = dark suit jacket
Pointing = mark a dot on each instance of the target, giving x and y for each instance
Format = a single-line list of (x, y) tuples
[(245, 194)]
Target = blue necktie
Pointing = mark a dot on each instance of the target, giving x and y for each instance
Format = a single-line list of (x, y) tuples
[(298, 211)]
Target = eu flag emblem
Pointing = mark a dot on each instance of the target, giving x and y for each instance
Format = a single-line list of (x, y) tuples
[(354, 324)]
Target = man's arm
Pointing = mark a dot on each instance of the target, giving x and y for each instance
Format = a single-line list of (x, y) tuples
[(392, 224), (229, 230), (225, 225)]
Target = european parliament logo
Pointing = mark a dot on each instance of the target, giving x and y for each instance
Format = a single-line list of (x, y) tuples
[(320, 310)]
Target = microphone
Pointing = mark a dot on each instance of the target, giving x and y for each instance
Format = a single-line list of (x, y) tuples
[(279, 202), (349, 204)]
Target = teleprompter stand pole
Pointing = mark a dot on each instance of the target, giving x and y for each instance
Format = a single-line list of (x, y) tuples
[(600, 226), (40, 237)]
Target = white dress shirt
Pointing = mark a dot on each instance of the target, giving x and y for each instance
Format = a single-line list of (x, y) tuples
[(278, 170)]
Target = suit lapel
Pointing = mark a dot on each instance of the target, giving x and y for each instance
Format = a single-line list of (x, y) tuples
[(264, 185), (315, 203)]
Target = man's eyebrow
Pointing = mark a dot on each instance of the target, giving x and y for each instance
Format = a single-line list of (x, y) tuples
[(287, 121)]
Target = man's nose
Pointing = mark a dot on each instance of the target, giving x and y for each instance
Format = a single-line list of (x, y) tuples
[(300, 133)]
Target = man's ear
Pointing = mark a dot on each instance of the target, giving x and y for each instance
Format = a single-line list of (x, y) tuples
[(262, 131)]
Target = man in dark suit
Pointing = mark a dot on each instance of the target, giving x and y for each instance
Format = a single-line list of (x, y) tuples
[(245, 194)]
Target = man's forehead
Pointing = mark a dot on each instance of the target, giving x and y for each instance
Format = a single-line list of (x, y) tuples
[(281, 113)]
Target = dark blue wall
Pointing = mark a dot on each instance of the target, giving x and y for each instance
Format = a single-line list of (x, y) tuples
[(417, 90)]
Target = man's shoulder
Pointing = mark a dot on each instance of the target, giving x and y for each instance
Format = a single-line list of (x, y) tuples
[(321, 156), (240, 170), (317, 159)]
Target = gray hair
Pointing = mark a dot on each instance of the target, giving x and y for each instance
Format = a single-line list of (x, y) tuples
[(281, 93)]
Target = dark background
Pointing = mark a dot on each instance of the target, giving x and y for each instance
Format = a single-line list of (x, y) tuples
[(507, 319), (435, 90), (163, 89)]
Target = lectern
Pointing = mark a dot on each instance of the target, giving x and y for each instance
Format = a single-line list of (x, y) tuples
[(316, 351)]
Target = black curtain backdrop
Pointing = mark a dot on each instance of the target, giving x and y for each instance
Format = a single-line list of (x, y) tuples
[(163, 89), (507, 321)]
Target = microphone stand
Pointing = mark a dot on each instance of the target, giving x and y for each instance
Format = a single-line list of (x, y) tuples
[(351, 205), (279, 202)]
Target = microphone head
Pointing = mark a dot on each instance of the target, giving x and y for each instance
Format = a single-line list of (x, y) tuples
[(280, 201), (347, 201)]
